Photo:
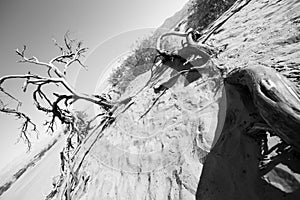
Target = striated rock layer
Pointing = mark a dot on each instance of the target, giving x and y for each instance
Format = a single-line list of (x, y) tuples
[(157, 155), (156, 147), (262, 106)]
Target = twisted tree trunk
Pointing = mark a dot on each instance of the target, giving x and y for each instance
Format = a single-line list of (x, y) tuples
[(260, 102)]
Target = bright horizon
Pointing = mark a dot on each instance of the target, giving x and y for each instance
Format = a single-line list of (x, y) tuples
[(35, 22)]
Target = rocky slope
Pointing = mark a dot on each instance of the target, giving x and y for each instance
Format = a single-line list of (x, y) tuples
[(262, 34), (156, 143), (159, 155), (155, 147)]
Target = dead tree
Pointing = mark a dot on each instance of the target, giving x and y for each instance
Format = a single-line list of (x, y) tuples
[(260, 104), (70, 52)]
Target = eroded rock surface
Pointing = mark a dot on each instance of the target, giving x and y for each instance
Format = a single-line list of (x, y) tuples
[(160, 154), (262, 34), (265, 32)]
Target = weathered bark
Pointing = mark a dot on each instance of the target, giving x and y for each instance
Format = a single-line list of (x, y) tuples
[(232, 170)]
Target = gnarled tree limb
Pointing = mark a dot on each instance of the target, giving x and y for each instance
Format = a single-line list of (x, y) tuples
[(70, 52)]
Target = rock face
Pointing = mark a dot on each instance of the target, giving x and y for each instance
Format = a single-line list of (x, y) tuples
[(154, 151), (201, 135), (263, 35), (157, 144)]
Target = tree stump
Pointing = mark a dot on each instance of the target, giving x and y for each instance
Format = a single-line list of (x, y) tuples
[(260, 102)]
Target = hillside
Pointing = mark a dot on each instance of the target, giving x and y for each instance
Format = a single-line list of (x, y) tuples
[(184, 137), (178, 18), (157, 144)]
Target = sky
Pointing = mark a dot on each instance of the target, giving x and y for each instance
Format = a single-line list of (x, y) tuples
[(107, 27)]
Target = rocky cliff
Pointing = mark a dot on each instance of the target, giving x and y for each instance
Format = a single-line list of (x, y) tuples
[(251, 159), (207, 134), (157, 143), (155, 147)]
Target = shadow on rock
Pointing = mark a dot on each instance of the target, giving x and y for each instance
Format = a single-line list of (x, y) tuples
[(237, 167)]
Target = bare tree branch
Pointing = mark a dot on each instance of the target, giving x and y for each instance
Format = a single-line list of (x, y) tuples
[(34, 60), (71, 52), (25, 125)]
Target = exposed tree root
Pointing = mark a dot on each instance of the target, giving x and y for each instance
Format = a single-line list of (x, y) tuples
[(258, 102)]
